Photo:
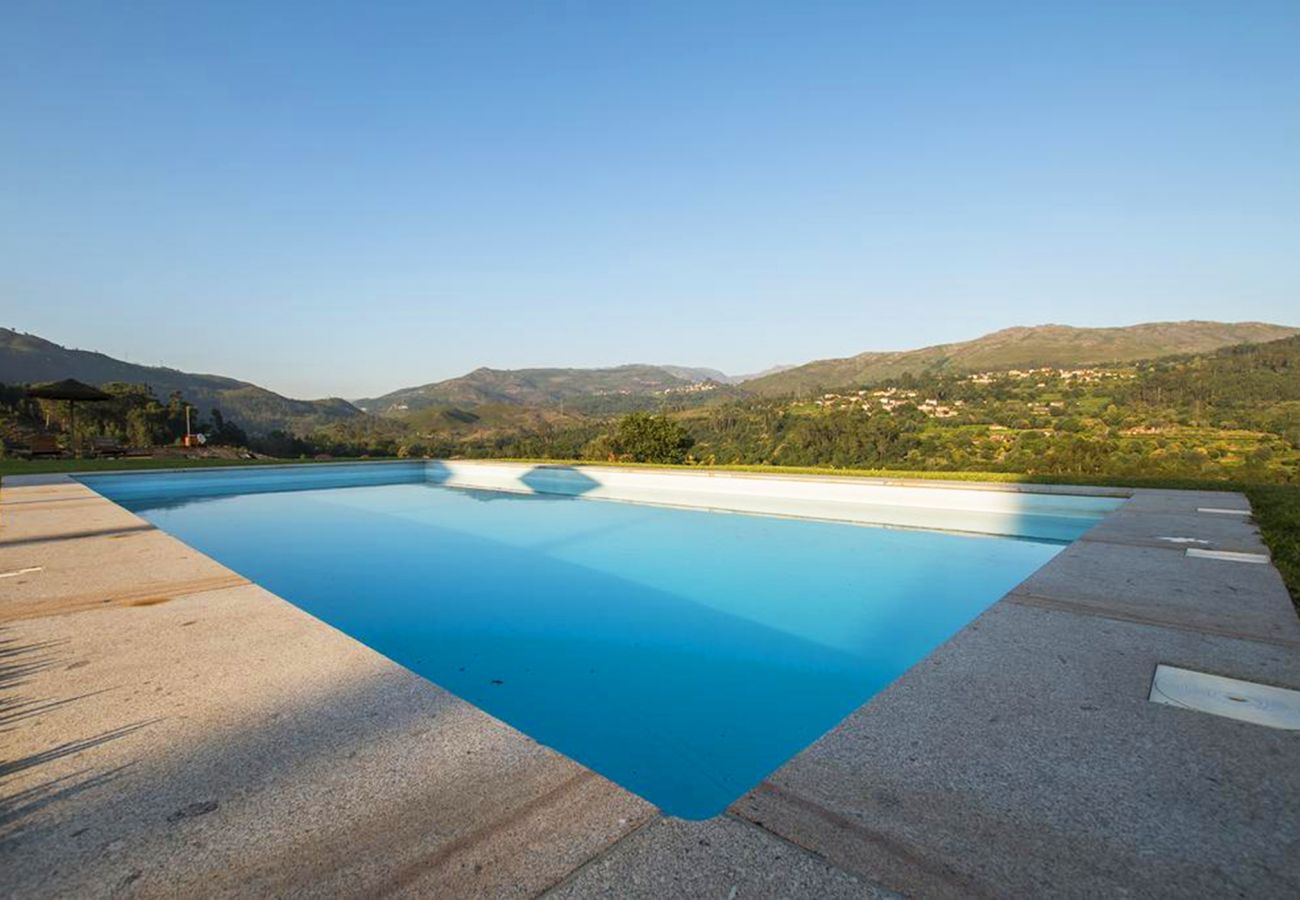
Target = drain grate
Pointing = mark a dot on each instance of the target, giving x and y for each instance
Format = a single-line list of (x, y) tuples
[(1232, 698)]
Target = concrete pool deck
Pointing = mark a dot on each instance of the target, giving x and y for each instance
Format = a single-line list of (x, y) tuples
[(168, 727)]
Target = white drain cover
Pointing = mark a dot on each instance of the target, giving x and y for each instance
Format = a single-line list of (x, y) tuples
[(1228, 555), (1232, 698)]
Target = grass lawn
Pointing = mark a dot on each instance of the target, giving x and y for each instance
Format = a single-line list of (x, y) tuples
[(1276, 506)]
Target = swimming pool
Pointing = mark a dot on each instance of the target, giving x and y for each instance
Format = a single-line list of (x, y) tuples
[(684, 653)]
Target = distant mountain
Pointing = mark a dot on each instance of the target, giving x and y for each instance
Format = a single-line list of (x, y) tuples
[(1040, 345), (613, 388), (486, 420), (770, 370), (26, 358), (699, 374)]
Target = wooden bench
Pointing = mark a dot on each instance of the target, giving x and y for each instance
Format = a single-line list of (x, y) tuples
[(106, 446), (44, 445)]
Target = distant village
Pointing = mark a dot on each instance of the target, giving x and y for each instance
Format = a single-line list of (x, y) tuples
[(889, 399), (1083, 376), (697, 387)]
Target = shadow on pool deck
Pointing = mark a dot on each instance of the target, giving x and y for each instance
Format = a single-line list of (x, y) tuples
[(19, 664), (362, 779)]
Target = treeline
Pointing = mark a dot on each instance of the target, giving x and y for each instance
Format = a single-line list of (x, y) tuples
[(133, 417)]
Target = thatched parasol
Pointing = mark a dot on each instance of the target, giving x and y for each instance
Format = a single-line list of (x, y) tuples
[(71, 390)]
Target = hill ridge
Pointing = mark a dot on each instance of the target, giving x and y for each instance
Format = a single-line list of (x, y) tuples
[(27, 358), (1023, 345)]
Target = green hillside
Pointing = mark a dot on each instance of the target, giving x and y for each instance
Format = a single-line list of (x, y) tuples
[(621, 388), (26, 358), (485, 420), (1040, 345), (1230, 414)]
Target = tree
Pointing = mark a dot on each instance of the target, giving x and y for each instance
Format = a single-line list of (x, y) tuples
[(641, 437), (226, 432)]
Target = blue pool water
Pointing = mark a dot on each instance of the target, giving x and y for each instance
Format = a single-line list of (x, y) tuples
[(683, 654)]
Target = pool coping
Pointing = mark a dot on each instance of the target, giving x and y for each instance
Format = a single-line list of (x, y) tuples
[(853, 813)]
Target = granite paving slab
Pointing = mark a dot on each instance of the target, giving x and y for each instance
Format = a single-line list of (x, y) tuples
[(1178, 530), (1171, 502), (1164, 586), (76, 551), (721, 857)]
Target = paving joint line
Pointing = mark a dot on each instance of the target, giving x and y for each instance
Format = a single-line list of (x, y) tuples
[(413, 871), (76, 535), (604, 852), (154, 595), (1037, 601), (806, 851), (962, 883), (44, 501)]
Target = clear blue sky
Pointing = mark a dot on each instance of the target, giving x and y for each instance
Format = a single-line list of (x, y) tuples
[(348, 198)]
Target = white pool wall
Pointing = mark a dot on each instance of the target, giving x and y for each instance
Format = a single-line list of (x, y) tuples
[(1058, 514), (1054, 516)]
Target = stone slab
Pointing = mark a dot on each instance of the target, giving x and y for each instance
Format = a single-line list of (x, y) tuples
[(1023, 758), (1167, 501), (1177, 531), (721, 857), (1162, 586), (83, 552)]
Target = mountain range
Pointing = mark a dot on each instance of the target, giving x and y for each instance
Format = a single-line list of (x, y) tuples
[(544, 387), (1024, 347), (27, 358)]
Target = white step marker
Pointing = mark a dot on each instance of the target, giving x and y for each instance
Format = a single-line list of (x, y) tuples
[(1228, 555), (1232, 698), (1214, 510)]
